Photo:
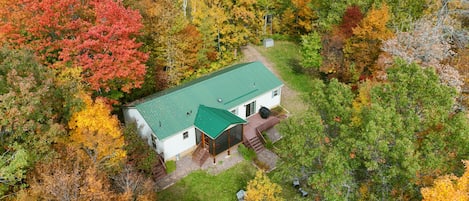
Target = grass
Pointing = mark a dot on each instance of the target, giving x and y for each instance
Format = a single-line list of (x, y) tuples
[(286, 57), (248, 154), (200, 185), (170, 166)]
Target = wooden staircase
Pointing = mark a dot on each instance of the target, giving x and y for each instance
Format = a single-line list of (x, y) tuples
[(159, 170), (200, 155), (255, 144)]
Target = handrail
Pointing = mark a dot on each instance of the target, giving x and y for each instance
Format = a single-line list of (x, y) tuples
[(162, 161), (259, 134)]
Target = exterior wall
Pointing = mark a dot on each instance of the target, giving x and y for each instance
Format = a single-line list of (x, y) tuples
[(175, 144), (267, 100), (131, 115)]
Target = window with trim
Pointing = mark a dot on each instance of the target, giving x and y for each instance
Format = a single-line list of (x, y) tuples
[(250, 108), (274, 93), (153, 141), (185, 135)]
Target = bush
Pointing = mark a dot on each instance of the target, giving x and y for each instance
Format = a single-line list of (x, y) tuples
[(248, 154), (261, 165), (170, 166), (139, 153), (268, 143)]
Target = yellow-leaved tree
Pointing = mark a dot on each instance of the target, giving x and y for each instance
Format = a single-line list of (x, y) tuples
[(97, 132), (449, 187), (261, 188)]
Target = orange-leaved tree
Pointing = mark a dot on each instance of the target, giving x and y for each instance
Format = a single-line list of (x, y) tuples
[(364, 47), (449, 187), (97, 132), (96, 35), (67, 177)]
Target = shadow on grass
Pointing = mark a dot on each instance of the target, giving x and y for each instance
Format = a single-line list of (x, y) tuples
[(298, 69), (296, 66)]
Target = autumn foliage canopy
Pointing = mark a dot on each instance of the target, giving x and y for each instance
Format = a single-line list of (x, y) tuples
[(96, 35)]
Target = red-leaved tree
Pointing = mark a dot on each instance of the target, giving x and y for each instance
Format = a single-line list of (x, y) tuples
[(96, 35), (352, 16)]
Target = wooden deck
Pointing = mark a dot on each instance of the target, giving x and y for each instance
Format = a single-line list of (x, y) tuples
[(257, 123)]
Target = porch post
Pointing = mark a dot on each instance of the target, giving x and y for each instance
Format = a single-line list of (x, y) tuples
[(242, 134), (214, 154), (229, 145), (203, 140)]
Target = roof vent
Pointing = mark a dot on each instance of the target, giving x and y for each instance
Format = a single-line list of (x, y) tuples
[(220, 100)]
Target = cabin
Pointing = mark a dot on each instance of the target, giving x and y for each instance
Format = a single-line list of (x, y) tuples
[(209, 115)]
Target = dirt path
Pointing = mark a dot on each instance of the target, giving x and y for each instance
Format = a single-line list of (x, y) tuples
[(291, 99)]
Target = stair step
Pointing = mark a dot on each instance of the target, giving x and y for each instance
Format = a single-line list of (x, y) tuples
[(159, 172), (256, 144), (200, 155)]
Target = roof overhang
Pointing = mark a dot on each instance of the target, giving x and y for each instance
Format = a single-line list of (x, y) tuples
[(214, 121)]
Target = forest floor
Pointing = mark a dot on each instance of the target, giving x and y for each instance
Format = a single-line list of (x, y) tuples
[(291, 99)]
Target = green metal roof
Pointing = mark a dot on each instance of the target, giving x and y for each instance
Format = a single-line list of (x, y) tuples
[(174, 110), (213, 121)]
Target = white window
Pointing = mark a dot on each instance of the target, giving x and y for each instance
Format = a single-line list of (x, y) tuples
[(274, 93), (250, 108), (153, 140), (185, 135)]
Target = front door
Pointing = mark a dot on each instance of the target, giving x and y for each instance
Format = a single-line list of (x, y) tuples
[(250, 108)]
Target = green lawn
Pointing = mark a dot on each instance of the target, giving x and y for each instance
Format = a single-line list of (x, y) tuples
[(200, 185), (286, 57)]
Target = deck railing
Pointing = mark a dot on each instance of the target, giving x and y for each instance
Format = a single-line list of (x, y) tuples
[(264, 126)]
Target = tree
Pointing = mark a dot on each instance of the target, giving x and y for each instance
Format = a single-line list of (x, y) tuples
[(134, 186), (382, 144), (351, 19), (172, 43), (363, 48), (225, 26), (449, 187), (13, 168), (68, 177), (25, 113), (310, 49), (314, 141), (98, 36), (298, 17), (333, 45), (261, 188), (28, 123), (426, 44), (94, 130), (139, 154)]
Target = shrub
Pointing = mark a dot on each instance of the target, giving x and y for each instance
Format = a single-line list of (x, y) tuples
[(248, 154), (261, 165)]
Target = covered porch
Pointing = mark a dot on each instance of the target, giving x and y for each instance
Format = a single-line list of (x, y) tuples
[(217, 130)]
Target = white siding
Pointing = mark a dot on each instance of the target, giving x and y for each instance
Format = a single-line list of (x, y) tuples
[(131, 115), (266, 100), (175, 144)]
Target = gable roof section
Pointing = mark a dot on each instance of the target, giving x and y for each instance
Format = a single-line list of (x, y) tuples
[(174, 110), (213, 121)]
